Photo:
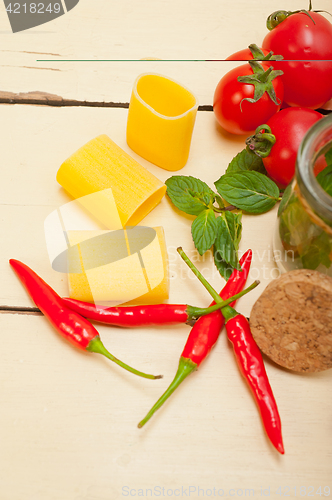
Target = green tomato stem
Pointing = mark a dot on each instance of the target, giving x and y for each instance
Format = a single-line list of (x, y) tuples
[(261, 142)]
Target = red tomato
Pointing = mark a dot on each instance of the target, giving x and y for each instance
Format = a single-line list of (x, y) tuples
[(238, 116), (307, 83), (289, 127)]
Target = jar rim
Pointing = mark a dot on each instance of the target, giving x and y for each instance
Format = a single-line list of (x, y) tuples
[(316, 196)]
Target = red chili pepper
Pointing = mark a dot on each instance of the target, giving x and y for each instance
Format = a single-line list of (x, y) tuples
[(130, 316), (251, 364), (145, 315), (68, 323), (203, 335)]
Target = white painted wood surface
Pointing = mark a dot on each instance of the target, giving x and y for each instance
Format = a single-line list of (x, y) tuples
[(103, 29), (68, 419)]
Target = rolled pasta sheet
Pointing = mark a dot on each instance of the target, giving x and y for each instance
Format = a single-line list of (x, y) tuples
[(118, 267), (121, 183), (161, 120)]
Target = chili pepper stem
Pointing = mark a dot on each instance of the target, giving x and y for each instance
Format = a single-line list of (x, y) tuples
[(97, 346), (186, 367), (197, 312), (206, 284), (229, 313)]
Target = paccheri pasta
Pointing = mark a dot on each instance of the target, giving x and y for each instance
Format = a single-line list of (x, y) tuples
[(102, 166)]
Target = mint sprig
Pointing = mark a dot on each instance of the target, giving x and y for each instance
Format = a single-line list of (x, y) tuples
[(217, 224), (307, 242)]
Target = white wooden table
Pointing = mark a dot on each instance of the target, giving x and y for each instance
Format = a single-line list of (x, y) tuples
[(68, 419)]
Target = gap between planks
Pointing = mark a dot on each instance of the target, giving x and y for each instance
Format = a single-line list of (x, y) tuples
[(20, 310), (46, 99)]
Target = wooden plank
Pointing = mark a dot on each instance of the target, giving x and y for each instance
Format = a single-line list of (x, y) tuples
[(101, 30), (68, 421), (29, 191)]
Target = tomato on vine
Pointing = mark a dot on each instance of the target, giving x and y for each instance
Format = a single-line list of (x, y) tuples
[(304, 38), (246, 96), (278, 141)]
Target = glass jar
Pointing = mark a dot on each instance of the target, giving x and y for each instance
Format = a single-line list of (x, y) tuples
[(303, 238)]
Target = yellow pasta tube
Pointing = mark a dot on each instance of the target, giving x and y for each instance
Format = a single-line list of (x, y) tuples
[(118, 267), (121, 184), (161, 119)]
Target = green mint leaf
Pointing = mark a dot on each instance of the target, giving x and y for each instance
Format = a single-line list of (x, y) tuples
[(317, 252), (207, 198), (227, 243), (189, 194), (295, 225), (219, 200), (248, 190), (204, 230), (246, 161), (238, 229), (285, 198), (325, 178), (328, 156), (311, 260), (301, 238), (224, 269)]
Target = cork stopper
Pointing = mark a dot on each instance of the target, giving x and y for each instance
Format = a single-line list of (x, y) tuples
[(292, 321)]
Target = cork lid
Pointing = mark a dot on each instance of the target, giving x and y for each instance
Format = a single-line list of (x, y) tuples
[(292, 321)]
